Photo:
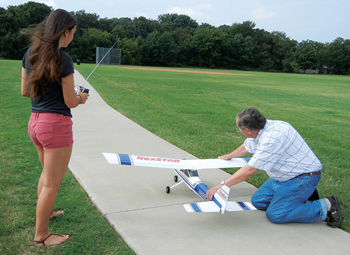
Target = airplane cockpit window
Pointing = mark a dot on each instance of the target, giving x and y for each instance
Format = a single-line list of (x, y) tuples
[(193, 173), (186, 172)]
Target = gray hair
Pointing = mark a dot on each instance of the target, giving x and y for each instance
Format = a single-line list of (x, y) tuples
[(251, 118)]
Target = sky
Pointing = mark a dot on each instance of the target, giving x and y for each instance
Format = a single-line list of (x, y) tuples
[(317, 20)]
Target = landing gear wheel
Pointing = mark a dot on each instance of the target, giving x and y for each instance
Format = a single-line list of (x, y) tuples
[(175, 178), (167, 189)]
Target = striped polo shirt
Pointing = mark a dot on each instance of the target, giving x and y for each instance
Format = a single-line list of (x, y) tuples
[(281, 151)]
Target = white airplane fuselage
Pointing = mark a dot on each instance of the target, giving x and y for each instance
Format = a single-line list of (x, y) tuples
[(192, 180)]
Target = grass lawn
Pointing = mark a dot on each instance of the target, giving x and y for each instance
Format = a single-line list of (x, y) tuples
[(195, 112)]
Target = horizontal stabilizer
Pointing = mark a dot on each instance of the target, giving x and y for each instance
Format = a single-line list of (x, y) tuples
[(209, 206), (219, 203), (194, 164), (239, 206)]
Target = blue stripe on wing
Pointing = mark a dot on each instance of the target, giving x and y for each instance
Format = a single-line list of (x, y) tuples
[(243, 206), (125, 159), (195, 207)]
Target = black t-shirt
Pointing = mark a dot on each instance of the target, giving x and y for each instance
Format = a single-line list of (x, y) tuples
[(52, 101)]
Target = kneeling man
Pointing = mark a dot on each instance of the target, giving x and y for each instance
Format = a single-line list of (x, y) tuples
[(293, 168)]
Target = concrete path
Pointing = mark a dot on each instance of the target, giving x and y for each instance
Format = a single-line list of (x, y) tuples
[(152, 222)]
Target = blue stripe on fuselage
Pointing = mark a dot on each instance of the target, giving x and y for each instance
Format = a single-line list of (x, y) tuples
[(201, 190), (125, 159)]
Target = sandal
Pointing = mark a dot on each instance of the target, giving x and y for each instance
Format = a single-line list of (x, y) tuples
[(42, 242), (56, 214)]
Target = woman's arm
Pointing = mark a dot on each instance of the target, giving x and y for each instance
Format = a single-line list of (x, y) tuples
[(24, 83), (70, 99)]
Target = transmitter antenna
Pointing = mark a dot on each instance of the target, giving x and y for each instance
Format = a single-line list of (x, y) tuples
[(100, 61)]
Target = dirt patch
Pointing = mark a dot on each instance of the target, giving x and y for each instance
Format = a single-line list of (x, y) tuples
[(182, 71)]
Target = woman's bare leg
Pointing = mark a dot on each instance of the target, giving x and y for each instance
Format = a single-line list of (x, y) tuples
[(40, 185), (41, 157), (55, 163)]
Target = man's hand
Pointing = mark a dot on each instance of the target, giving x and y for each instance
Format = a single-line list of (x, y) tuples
[(210, 193), (226, 157)]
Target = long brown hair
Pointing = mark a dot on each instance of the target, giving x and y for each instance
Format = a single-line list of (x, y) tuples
[(44, 52)]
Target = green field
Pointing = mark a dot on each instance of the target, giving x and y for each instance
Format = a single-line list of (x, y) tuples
[(195, 112)]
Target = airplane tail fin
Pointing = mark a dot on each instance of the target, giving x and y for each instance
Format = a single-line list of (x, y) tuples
[(216, 205), (219, 203), (221, 197)]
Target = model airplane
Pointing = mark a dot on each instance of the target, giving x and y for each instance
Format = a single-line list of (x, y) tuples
[(187, 170)]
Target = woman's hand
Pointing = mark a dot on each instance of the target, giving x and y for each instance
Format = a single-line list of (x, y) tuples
[(84, 96)]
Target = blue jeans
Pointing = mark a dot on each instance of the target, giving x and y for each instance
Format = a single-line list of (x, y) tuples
[(288, 201)]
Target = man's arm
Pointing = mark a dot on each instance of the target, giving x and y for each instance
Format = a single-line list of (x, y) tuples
[(241, 175), (240, 151)]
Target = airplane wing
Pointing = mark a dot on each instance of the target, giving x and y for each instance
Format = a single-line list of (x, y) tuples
[(194, 164), (219, 203)]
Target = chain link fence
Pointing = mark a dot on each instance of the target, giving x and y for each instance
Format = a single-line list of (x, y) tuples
[(113, 57)]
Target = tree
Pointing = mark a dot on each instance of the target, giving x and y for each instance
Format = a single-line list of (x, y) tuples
[(130, 50), (29, 13), (86, 21), (282, 49), (118, 32), (209, 45), (86, 48), (123, 22), (159, 49), (239, 53), (262, 50), (178, 40), (12, 21), (339, 56), (178, 21), (183, 38), (107, 25), (141, 27), (305, 57), (320, 51), (245, 29)]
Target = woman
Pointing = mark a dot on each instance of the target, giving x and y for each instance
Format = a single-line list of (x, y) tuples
[(47, 78)]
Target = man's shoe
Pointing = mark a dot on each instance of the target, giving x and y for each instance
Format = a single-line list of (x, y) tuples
[(334, 214)]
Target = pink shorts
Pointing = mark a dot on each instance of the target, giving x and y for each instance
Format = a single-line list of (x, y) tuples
[(50, 130)]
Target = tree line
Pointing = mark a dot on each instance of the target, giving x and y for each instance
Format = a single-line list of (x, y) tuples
[(175, 40)]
